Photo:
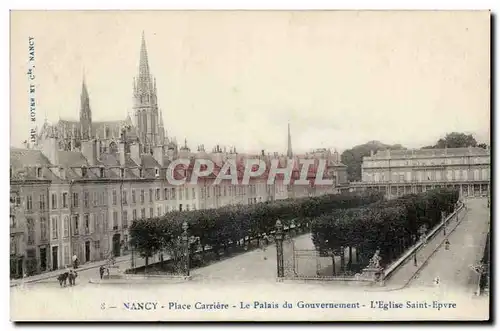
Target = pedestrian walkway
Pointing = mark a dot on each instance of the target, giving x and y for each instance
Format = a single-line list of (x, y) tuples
[(407, 271), (55, 273)]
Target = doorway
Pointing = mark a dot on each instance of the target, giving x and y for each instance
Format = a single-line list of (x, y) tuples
[(55, 264), (43, 258), (87, 251), (116, 245)]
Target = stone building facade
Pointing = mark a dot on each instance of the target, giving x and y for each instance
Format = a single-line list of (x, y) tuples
[(400, 172)]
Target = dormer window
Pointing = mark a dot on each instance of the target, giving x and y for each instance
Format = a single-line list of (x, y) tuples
[(101, 170), (122, 173), (141, 172), (84, 172), (157, 172), (39, 172)]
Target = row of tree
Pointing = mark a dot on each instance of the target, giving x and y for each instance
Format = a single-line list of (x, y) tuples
[(221, 227), (391, 226)]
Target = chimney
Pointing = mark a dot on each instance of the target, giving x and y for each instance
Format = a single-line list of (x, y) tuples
[(121, 151), (89, 151), (158, 153), (50, 150), (135, 153)]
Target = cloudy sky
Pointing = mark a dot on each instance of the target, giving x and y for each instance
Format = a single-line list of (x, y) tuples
[(237, 78)]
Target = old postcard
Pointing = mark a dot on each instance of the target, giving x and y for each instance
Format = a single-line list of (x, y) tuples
[(250, 165)]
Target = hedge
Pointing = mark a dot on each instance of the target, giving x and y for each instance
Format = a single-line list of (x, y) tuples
[(391, 226), (220, 227)]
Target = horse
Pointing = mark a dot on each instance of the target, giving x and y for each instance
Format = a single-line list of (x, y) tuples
[(62, 278)]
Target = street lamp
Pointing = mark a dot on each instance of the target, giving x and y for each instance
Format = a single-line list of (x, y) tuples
[(279, 249), (185, 240)]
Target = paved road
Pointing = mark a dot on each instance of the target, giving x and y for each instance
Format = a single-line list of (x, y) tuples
[(452, 267)]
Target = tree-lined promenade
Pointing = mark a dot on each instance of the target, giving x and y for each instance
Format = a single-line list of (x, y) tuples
[(236, 224), (364, 223), (389, 226)]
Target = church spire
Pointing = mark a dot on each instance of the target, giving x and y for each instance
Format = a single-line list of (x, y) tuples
[(144, 76), (85, 112), (289, 153)]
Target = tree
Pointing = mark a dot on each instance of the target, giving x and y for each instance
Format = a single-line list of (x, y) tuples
[(353, 158), (483, 146), (456, 140)]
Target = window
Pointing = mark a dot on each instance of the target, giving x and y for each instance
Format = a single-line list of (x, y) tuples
[(76, 224), (187, 193), (84, 172), (54, 201), (124, 197), (150, 195), (194, 206), (122, 173), (133, 196), (114, 198), (125, 219), (141, 173), (438, 175), (143, 213), (194, 193), (13, 246), (157, 195), (42, 201), (39, 172), (31, 230), (157, 172), (55, 227), (66, 226), (173, 193), (158, 211), (180, 193), (165, 193), (115, 220), (101, 172), (43, 228), (151, 212), (93, 223), (484, 174), (180, 207), (105, 225), (94, 199), (66, 255), (142, 196), (12, 221), (86, 222), (224, 191), (187, 207), (86, 199), (75, 200), (97, 244), (134, 214)]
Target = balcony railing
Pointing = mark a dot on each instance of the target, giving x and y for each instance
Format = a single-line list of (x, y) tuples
[(416, 181)]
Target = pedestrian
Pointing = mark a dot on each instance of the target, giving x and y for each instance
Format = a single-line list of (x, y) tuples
[(437, 280), (415, 259), (101, 271), (447, 245)]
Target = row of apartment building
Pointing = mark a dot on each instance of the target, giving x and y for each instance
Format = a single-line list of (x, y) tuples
[(66, 203)]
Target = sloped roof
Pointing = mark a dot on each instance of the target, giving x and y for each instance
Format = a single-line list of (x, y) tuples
[(20, 158), (431, 152), (71, 159)]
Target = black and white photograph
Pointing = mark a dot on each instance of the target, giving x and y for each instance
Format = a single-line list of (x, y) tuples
[(258, 165)]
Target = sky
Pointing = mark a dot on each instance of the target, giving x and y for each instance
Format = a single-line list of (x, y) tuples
[(340, 78)]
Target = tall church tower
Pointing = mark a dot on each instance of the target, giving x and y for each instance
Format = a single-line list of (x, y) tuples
[(145, 102), (289, 153), (85, 113)]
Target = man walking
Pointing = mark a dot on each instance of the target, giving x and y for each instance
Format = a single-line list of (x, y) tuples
[(101, 271)]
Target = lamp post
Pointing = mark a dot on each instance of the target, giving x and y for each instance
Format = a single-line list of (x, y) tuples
[(279, 249), (185, 241), (132, 260)]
